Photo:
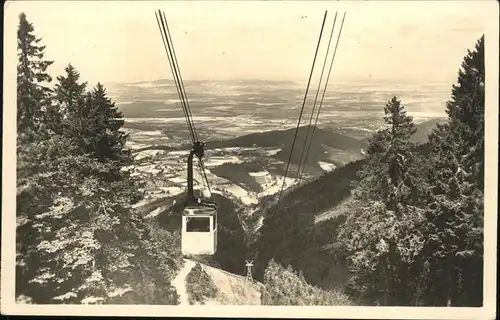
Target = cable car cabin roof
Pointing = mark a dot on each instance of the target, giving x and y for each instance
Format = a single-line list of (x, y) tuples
[(200, 209)]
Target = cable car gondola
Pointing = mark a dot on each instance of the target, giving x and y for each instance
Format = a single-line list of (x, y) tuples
[(199, 216)]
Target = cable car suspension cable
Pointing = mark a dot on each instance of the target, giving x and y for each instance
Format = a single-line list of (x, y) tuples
[(174, 73), (174, 65), (183, 90), (172, 68), (315, 101), (324, 90), (302, 109), (187, 107)]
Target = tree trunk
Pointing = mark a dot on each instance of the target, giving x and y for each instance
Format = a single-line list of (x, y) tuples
[(386, 287)]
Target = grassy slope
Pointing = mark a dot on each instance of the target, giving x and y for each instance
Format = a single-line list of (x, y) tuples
[(232, 289)]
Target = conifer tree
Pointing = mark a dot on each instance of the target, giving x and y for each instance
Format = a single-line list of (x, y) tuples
[(465, 111), (387, 176), (92, 120), (109, 141), (381, 234), (455, 216), (33, 97), (69, 91), (32, 78), (70, 95)]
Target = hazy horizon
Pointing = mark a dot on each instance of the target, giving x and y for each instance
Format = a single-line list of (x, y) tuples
[(110, 43)]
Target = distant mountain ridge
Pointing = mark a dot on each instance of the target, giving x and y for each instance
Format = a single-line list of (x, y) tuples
[(327, 145), (280, 138), (424, 128), (323, 138)]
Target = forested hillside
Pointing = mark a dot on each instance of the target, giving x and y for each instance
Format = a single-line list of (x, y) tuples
[(78, 238), (412, 233)]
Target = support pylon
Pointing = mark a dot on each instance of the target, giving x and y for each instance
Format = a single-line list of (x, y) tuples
[(249, 265)]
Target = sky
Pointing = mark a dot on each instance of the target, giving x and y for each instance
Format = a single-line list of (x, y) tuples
[(115, 41)]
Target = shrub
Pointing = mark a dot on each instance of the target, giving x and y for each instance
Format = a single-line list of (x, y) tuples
[(285, 287), (199, 285)]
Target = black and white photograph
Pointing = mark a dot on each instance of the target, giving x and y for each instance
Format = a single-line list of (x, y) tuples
[(182, 157)]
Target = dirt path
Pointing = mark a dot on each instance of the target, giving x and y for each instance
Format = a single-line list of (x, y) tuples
[(180, 282)]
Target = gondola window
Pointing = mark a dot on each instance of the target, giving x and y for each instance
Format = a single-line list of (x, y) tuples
[(198, 224)]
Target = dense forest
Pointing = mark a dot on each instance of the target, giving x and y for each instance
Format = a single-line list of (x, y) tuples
[(78, 238), (412, 233), (238, 173)]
